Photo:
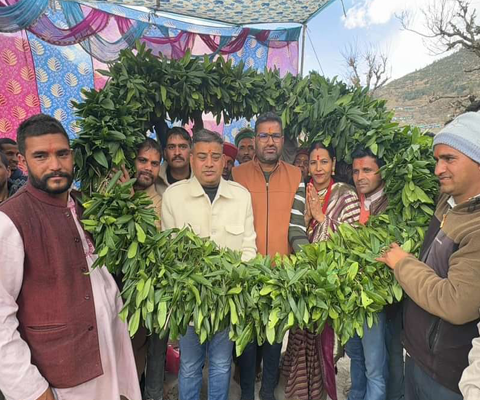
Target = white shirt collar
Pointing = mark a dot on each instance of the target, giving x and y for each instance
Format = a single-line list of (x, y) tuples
[(374, 197), (452, 203)]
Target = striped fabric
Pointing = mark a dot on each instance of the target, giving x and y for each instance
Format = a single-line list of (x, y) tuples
[(306, 366), (303, 368), (297, 232), (344, 206)]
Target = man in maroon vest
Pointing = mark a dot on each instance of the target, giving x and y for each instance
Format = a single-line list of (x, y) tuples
[(60, 335)]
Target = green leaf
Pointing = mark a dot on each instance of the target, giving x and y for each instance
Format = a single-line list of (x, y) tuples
[(233, 312), (332, 313), (163, 92), (270, 334), (352, 271), (132, 250), (108, 104), (99, 157), (397, 291), (235, 290), (162, 314), (134, 323), (366, 301), (141, 236)]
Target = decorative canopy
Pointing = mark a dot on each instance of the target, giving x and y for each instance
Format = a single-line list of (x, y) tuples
[(236, 12)]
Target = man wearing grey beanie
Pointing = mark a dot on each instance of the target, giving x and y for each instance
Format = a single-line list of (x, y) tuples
[(443, 285)]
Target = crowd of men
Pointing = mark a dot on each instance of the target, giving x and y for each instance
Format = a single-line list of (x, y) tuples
[(60, 334)]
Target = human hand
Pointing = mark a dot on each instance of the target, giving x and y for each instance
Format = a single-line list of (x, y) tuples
[(314, 204), (47, 395), (392, 256), (124, 177)]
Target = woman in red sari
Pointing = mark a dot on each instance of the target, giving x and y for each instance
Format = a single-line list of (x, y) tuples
[(308, 365)]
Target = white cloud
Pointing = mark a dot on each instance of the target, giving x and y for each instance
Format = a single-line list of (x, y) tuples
[(376, 12), (408, 53)]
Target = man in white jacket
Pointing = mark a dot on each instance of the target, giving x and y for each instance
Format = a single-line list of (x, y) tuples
[(222, 211)]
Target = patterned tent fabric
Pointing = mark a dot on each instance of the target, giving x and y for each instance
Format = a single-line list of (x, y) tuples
[(237, 12), (45, 67)]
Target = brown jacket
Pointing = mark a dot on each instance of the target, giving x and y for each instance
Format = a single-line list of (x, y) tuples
[(442, 311), (272, 203)]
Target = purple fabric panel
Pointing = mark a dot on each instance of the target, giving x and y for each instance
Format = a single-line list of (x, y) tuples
[(328, 341), (232, 47), (93, 23)]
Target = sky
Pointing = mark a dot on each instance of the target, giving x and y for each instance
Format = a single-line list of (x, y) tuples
[(367, 23)]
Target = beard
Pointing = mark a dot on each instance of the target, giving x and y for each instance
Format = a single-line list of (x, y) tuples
[(42, 183), (144, 180), (269, 158)]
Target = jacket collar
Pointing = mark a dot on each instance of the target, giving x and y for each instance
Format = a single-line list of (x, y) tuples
[(151, 192), (44, 197), (257, 165), (162, 174), (472, 201), (196, 190)]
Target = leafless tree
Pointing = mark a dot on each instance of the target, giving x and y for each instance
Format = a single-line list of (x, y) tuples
[(449, 25), (366, 68)]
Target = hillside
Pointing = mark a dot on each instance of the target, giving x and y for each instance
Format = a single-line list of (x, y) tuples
[(410, 96)]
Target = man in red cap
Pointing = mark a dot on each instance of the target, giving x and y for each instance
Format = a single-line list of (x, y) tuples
[(230, 152)]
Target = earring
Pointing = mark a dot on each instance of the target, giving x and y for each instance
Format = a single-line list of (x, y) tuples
[(333, 172)]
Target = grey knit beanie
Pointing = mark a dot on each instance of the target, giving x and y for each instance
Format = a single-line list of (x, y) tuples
[(463, 134)]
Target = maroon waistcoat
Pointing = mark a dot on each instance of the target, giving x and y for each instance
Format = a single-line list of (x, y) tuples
[(56, 311)]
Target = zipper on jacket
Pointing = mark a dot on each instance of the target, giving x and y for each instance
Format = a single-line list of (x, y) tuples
[(433, 336), (266, 243), (266, 185)]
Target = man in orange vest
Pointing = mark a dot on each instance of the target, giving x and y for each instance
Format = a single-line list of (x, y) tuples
[(278, 199)]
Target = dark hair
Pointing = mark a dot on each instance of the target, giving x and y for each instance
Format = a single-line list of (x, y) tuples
[(38, 125), (361, 152), (4, 159), (320, 145), (206, 136), (268, 117), (7, 141), (179, 131), (148, 144)]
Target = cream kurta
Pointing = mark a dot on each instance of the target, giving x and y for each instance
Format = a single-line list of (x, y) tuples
[(19, 379)]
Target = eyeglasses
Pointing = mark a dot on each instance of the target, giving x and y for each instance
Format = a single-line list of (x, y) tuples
[(264, 137)]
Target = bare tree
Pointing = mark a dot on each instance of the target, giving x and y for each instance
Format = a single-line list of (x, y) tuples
[(366, 68), (449, 25)]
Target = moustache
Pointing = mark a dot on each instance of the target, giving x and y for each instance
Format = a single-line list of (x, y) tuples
[(178, 158), (146, 174), (56, 175)]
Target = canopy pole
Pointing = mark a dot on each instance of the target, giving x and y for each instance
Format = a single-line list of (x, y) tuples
[(302, 60)]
